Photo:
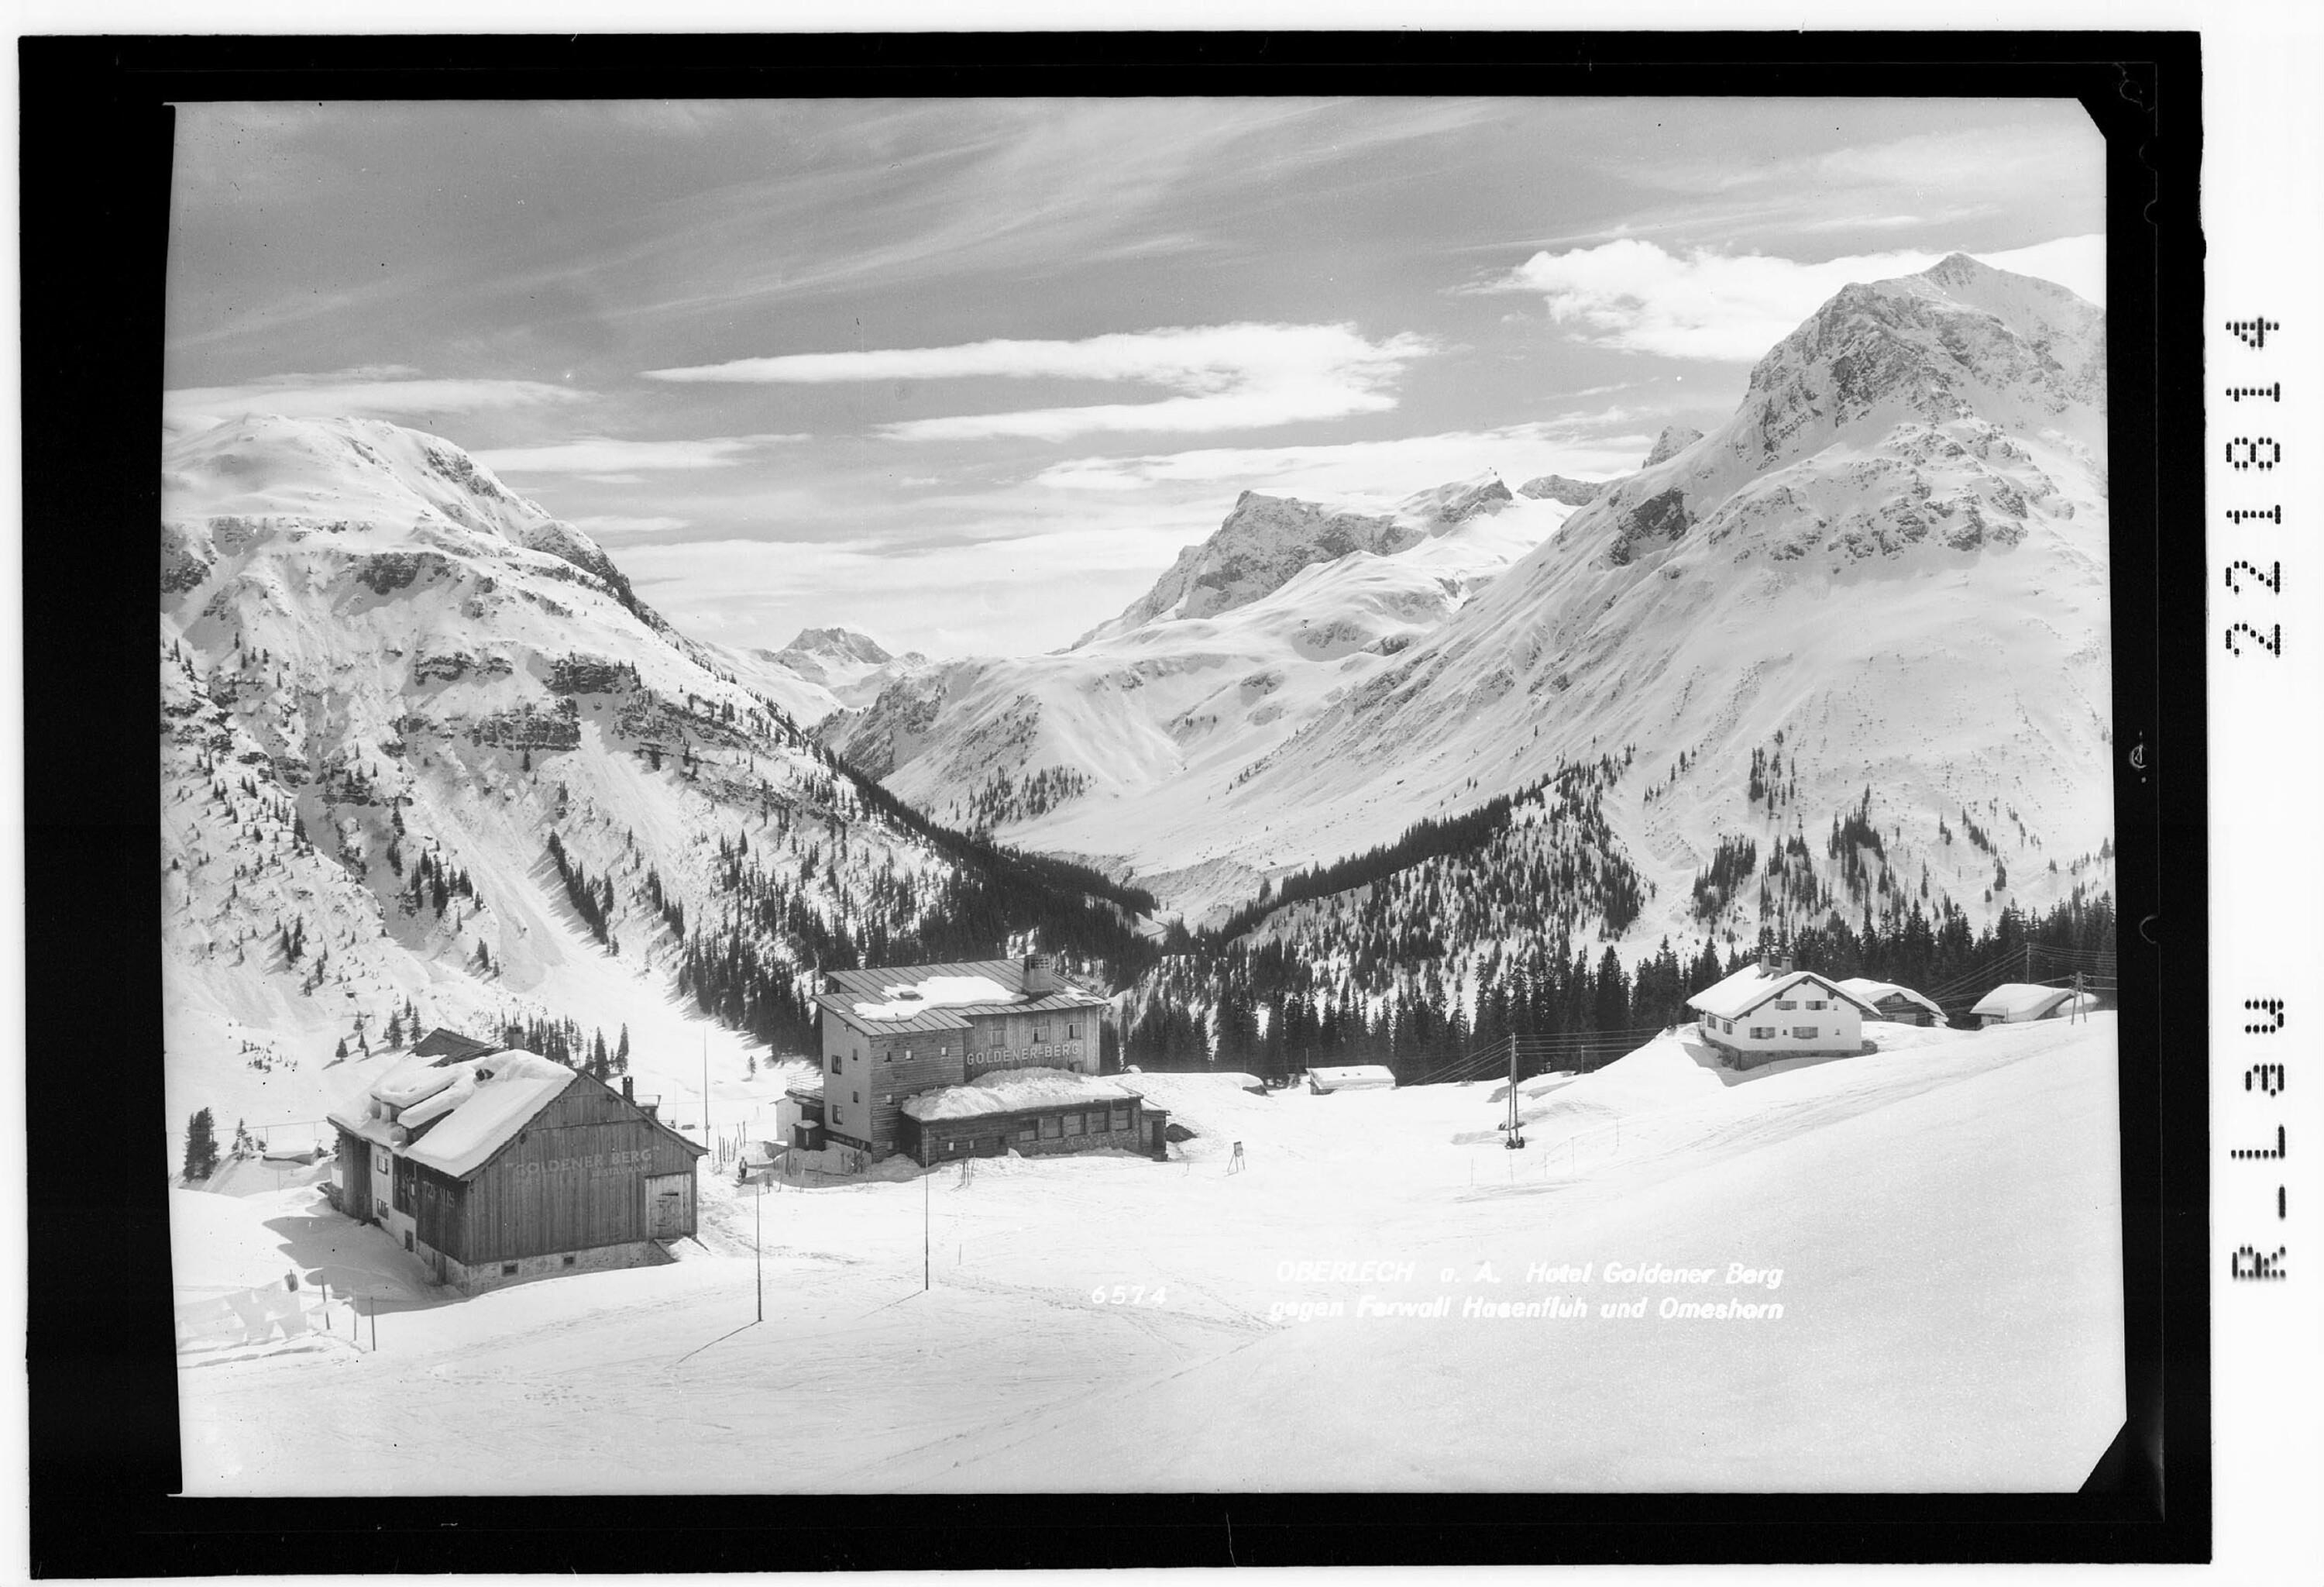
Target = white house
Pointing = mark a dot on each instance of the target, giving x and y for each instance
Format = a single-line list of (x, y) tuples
[(1761, 1013), (1350, 1077), (1898, 1003), (2014, 1002)]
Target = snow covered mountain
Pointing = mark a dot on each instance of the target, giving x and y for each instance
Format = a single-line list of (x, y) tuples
[(426, 758), (823, 671), (1886, 574), (1245, 641), (1877, 595)]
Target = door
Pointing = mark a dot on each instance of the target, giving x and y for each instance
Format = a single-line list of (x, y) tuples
[(670, 1205)]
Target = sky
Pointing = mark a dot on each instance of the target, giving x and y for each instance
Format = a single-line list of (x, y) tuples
[(966, 375)]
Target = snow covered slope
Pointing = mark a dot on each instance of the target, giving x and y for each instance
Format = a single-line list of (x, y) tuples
[(823, 671), (1074, 749), (1929, 1238), (424, 753), (1887, 574)]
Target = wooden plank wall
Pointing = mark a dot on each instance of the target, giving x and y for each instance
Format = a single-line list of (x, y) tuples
[(573, 1178)]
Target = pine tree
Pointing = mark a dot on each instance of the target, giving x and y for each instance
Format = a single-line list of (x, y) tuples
[(201, 1146), (621, 1053)]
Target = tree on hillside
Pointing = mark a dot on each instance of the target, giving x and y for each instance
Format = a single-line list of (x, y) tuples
[(201, 1146)]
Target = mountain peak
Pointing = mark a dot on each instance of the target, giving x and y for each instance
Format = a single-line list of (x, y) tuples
[(845, 644), (1675, 438), (1261, 543)]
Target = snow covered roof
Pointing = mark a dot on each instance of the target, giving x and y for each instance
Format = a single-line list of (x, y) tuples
[(904, 999), (2020, 1000), (1873, 991), (1332, 1076), (505, 1091), (1752, 985), (460, 1112), (899, 1022), (1009, 1091)]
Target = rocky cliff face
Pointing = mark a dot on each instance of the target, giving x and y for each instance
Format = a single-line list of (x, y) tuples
[(1262, 543), (1556, 487), (1675, 438)]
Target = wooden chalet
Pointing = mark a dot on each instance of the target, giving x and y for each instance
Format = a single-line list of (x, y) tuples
[(509, 1167), (1897, 1004)]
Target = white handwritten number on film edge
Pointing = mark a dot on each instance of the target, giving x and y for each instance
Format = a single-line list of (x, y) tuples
[(2264, 1016)]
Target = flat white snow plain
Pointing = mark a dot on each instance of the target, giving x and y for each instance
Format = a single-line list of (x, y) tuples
[(1944, 1214)]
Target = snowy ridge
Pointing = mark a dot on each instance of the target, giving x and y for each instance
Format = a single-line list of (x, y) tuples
[(1130, 724), (426, 760), (1893, 557)]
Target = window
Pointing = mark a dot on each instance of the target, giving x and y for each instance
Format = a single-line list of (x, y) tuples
[(1787, 1003), (379, 1162), (1073, 1033), (1804, 1032), (834, 1063), (1073, 1123), (1050, 1128), (1121, 1118), (836, 1116), (508, 1269), (943, 1049), (407, 1240), (1815, 1002), (1026, 1132), (856, 1096), (1763, 1032), (908, 1055), (380, 1207), (1040, 1033), (569, 1258)]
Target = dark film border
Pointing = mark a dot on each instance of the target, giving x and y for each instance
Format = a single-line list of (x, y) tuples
[(96, 140)]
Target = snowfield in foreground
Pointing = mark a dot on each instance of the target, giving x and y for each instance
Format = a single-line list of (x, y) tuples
[(1937, 1225)]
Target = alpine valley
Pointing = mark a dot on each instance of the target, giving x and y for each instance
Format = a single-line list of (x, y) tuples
[(1416, 768)]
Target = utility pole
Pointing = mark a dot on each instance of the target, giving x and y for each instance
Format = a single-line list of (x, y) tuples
[(1515, 1139), (758, 1246), (705, 1092), (927, 1194)]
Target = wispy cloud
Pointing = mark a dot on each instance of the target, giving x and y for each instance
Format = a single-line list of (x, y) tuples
[(603, 456), (614, 523), (1377, 472), (1243, 376), (383, 391), (1706, 303)]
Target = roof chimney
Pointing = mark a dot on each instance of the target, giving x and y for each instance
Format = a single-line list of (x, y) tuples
[(1041, 975), (629, 1089)]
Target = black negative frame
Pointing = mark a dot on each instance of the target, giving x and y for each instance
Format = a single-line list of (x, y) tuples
[(95, 133)]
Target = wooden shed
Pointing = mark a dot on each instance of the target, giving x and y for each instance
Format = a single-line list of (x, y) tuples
[(510, 1166)]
